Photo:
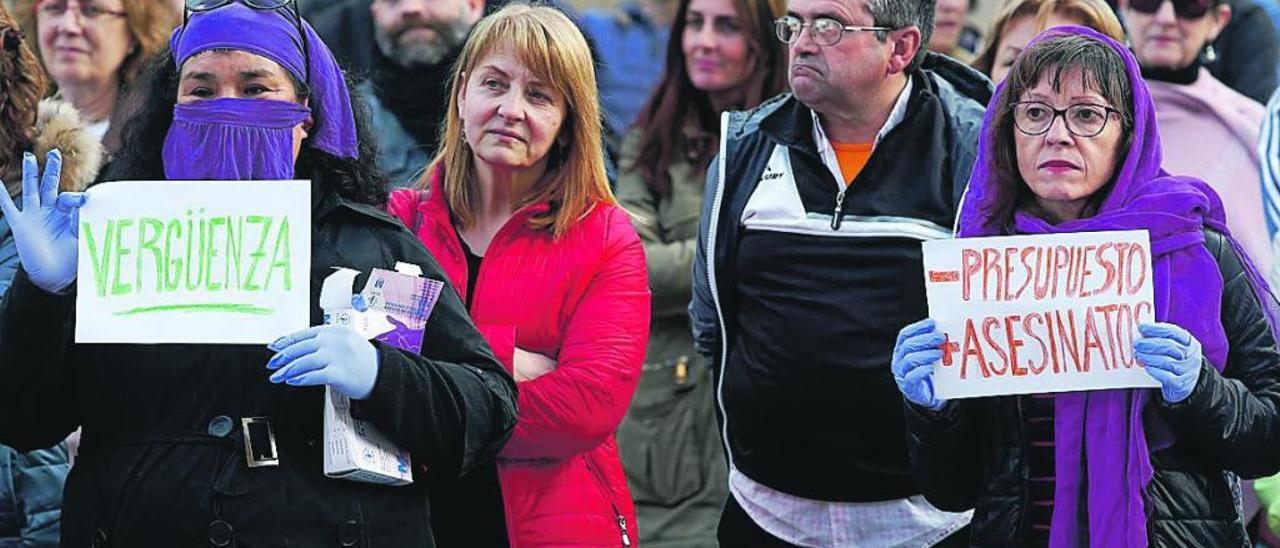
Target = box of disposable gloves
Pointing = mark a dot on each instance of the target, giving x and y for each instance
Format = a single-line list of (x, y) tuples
[(392, 308)]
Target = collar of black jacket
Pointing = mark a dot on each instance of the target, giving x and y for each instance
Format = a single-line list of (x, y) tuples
[(327, 203)]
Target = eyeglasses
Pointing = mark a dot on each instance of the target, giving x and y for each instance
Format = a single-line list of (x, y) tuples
[(197, 6), (89, 11), (206, 5), (823, 30), (1083, 120), (1185, 9)]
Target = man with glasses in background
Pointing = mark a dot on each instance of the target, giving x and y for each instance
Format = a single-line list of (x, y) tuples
[(809, 263)]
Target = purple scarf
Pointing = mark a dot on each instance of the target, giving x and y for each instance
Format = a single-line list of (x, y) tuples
[(232, 139), (1103, 439), (201, 134)]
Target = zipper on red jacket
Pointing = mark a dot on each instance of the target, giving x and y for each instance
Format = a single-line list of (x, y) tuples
[(608, 495)]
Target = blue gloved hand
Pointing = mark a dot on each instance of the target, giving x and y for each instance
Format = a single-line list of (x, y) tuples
[(45, 231), (918, 350), (329, 354), (1172, 356)]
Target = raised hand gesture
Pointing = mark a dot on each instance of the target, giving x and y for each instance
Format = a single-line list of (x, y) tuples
[(45, 230)]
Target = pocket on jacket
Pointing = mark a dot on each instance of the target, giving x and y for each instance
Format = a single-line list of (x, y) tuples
[(663, 439), (1199, 496)]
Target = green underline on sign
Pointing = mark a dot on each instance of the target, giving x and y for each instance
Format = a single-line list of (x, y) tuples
[(226, 308)]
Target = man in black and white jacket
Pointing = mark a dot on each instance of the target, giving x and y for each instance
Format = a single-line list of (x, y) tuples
[(809, 263)]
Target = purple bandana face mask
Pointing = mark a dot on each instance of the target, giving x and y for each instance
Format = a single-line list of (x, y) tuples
[(232, 139)]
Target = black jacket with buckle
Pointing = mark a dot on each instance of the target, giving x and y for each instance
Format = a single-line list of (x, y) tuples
[(163, 461)]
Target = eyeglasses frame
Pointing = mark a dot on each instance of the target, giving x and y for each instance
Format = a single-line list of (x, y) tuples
[(777, 24), (80, 12), (1063, 113)]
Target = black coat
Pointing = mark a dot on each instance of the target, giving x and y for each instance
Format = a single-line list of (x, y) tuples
[(972, 454), (152, 470)]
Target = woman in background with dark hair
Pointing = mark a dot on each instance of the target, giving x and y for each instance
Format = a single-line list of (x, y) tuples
[(722, 55), (249, 92)]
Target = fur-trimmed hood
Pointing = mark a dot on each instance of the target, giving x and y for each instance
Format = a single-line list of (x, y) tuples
[(60, 126)]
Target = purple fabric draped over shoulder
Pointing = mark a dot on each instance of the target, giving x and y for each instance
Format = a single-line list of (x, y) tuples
[(1104, 438)]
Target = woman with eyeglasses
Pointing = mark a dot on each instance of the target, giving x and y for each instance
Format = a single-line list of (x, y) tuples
[(721, 55), (93, 50), (1206, 129), (1070, 144), (178, 440)]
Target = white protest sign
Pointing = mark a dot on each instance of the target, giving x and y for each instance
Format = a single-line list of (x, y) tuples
[(1037, 314), (217, 262)]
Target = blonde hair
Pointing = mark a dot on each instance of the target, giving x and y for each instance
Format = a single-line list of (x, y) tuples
[(150, 22), (1095, 14), (553, 48)]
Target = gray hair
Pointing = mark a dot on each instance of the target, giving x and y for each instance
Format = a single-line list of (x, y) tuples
[(897, 14)]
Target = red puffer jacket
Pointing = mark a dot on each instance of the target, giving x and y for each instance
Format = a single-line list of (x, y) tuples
[(582, 300)]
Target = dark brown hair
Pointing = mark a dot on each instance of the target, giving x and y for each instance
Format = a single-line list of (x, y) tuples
[(678, 121), (1103, 71), (22, 85)]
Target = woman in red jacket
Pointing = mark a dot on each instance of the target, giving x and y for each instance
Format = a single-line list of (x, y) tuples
[(517, 209)]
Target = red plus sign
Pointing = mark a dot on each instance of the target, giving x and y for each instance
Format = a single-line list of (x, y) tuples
[(948, 348)]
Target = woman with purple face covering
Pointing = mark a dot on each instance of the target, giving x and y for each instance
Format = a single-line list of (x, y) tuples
[(248, 92), (1070, 145)]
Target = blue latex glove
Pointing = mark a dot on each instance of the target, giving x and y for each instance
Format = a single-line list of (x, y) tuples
[(45, 231), (918, 350), (1172, 356), (329, 354)]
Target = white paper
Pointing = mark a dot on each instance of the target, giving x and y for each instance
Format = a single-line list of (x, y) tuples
[(1038, 314), (244, 278)]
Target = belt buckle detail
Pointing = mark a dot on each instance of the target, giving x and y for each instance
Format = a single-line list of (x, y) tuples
[(264, 452)]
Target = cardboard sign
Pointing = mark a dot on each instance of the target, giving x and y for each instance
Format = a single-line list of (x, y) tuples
[(1037, 314), (218, 262)]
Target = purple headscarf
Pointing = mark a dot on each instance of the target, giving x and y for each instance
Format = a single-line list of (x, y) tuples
[(274, 34), (1103, 442)]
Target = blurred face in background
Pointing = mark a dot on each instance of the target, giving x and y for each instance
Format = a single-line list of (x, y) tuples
[(717, 55), (949, 20), (83, 42), (1017, 34), (422, 32), (1171, 35)]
